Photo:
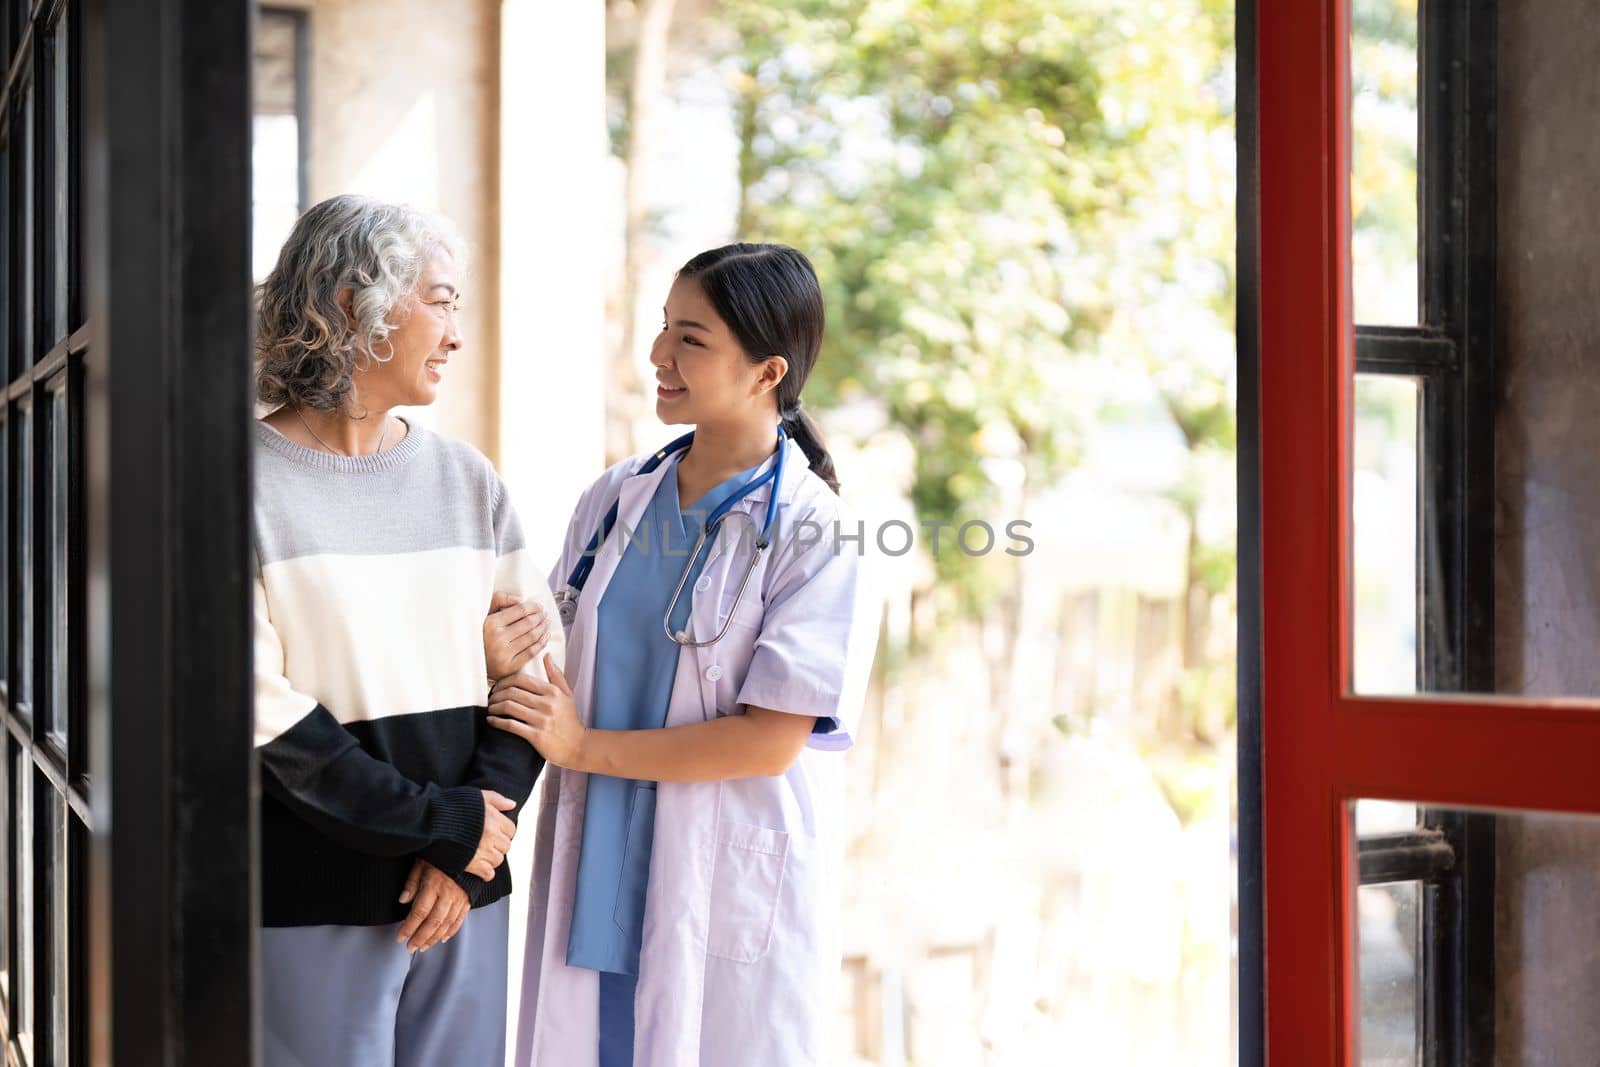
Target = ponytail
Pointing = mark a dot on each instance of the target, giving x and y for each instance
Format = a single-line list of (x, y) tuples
[(804, 430), (770, 298)]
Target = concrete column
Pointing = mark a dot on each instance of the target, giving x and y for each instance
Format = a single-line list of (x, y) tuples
[(559, 217)]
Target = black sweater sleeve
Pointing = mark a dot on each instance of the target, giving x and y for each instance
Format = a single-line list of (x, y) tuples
[(317, 770)]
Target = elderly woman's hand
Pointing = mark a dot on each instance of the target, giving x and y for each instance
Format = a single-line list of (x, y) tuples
[(544, 714), (498, 831), (514, 632), (438, 906)]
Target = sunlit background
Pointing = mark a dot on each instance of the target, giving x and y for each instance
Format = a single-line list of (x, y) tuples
[(1022, 213)]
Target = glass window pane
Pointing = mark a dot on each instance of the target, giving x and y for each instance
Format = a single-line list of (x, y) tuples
[(60, 665), (58, 193), (22, 657), (1387, 920), (17, 17), (1510, 551), (75, 159), (6, 480), (1384, 817), (1383, 161), (1384, 514), (77, 935), (7, 868), (1527, 935), (24, 277), (54, 892), (279, 111), (7, 229), (22, 855), (53, 189)]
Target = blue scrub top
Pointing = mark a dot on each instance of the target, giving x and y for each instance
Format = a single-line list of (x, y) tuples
[(634, 670)]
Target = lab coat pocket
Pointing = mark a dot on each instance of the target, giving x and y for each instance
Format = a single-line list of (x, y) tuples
[(628, 910), (746, 610), (745, 885)]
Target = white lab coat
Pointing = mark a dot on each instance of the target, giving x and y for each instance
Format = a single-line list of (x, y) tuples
[(740, 945)]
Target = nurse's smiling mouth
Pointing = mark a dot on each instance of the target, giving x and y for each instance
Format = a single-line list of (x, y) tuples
[(667, 393)]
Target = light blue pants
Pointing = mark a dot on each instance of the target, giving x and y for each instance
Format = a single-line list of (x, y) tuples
[(352, 996)]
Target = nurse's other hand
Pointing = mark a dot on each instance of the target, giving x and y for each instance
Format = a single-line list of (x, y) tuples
[(544, 714), (514, 632)]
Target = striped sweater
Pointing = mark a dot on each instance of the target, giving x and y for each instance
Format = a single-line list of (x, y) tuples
[(374, 574)]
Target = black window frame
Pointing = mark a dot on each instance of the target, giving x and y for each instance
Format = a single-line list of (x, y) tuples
[(301, 20), (172, 904), (1451, 355), (45, 338), (1249, 907), (149, 917)]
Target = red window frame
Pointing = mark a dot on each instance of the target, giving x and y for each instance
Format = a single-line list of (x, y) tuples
[(1323, 747)]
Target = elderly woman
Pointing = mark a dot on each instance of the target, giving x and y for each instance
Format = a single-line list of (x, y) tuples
[(387, 805)]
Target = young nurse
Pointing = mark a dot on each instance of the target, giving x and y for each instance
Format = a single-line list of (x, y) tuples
[(686, 872)]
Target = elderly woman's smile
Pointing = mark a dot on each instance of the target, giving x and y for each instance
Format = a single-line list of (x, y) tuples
[(347, 340), (420, 344)]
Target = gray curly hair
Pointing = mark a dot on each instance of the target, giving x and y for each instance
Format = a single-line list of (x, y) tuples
[(307, 351)]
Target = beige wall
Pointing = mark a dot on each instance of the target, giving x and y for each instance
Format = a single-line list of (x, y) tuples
[(404, 106), (561, 224), (1547, 440)]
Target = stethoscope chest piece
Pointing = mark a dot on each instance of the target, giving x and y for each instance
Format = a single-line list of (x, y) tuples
[(567, 608)]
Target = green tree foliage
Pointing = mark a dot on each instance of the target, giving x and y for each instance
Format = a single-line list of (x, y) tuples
[(966, 173), (1383, 173), (944, 164), (1169, 265)]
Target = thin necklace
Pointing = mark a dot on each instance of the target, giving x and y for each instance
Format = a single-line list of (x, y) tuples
[(329, 447)]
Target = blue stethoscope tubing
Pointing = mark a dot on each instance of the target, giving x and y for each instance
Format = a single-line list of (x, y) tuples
[(567, 599)]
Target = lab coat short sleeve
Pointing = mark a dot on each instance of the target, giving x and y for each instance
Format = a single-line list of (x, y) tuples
[(818, 634)]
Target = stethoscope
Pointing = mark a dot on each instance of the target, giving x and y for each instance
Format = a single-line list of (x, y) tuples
[(567, 599)]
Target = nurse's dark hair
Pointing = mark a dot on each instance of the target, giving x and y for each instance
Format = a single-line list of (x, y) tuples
[(769, 296)]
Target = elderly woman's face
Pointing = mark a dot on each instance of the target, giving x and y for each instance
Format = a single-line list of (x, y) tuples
[(422, 342)]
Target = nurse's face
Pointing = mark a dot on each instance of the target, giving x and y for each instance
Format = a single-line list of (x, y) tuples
[(703, 374)]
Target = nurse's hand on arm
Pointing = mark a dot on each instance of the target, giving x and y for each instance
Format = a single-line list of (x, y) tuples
[(761, 742)]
